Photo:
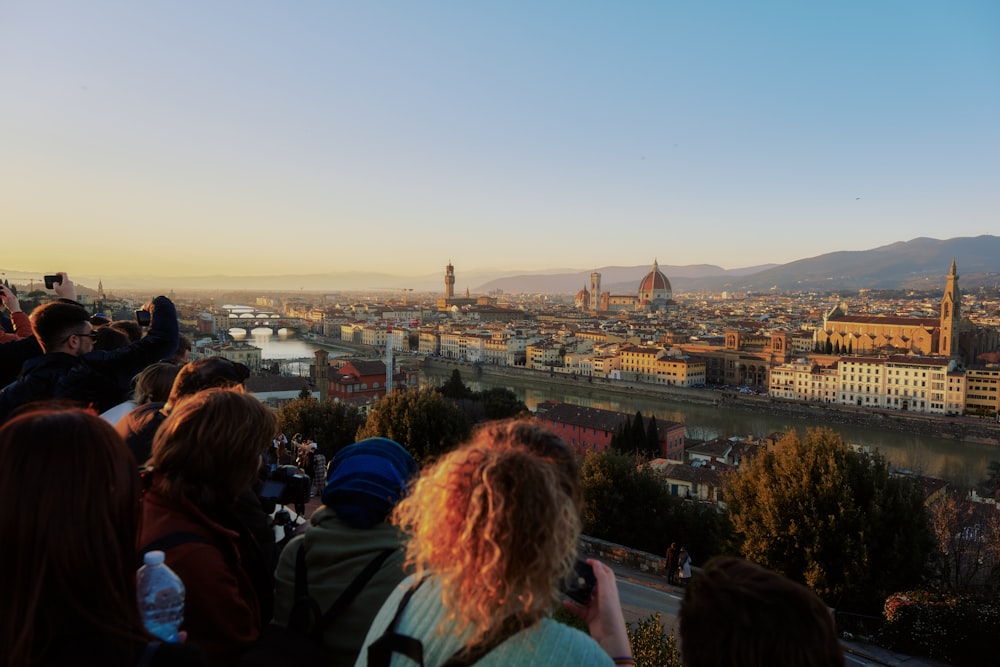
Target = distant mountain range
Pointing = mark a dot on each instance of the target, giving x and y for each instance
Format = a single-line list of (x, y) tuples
[(918, 264)]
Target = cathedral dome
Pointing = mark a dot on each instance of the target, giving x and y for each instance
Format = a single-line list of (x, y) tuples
[(655, 286)]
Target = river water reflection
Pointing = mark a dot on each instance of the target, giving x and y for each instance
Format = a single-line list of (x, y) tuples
[(959, 462)]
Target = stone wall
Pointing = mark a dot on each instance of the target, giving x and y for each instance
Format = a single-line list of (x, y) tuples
[(639, 560)]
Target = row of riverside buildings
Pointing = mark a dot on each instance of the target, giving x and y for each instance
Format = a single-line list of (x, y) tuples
[(935, 365)]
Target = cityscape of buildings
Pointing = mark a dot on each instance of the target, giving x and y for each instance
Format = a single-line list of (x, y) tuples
[(932, 356)]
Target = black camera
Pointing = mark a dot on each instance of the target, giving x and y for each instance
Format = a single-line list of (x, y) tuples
[(579, 584), (52, 281), (285, 485), (143, 317)]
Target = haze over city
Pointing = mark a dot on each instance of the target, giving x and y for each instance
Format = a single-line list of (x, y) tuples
[(196, 139)]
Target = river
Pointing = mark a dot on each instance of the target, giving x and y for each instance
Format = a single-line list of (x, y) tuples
[(960, 462)]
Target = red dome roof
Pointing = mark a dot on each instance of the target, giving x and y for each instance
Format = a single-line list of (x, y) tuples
[(655, 281)]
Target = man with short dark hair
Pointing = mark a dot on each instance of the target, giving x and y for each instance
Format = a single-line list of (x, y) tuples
[(71, 369)]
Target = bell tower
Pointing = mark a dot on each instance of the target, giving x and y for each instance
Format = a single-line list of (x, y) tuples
[(951, 315), (595, 292), (449, 281)]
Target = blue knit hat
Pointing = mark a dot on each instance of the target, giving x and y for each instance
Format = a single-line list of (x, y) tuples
[(365, 480)]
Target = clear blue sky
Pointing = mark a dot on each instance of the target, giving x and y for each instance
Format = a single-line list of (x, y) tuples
[(176, 137)]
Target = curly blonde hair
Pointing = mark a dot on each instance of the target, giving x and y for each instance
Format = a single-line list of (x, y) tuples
[(497, 521)]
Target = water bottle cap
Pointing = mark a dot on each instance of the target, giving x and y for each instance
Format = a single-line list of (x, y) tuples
[(153, 558)]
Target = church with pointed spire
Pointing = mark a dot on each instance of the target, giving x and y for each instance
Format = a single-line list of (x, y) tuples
[(948, 335)]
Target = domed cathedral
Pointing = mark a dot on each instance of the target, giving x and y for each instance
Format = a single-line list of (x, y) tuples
[(948, 335), (654, 290), (654, 294)]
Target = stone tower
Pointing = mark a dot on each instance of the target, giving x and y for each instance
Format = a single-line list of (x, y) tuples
[(951, 315), (449, 281), (595, 291), (322, 375)]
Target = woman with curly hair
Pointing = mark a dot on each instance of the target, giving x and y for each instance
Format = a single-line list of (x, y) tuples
[(493, 529)]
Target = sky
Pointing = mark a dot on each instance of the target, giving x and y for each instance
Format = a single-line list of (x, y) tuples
[(252, 138)]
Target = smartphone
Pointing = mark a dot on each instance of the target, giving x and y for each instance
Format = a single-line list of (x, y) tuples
[(579, 584), (143, 317), (52, 281)]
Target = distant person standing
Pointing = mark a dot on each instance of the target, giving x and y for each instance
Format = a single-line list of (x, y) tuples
[(319, 469), (672, 563), (684, 566)]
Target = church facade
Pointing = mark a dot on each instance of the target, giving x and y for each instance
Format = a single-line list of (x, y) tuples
[(948, 335), (653, 295)]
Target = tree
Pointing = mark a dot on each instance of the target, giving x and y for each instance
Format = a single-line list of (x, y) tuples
[(626, 502), (423, 421), (619, 440), (305, 393), (637, 434), (332, 425), (967, 537), (652, 448), (501, 403), (832, 519), (989, 487), (454, 388)]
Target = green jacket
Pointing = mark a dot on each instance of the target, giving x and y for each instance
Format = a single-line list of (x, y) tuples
[(335, 555)]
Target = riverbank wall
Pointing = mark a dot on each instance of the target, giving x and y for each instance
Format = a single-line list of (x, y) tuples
[(962, 429)]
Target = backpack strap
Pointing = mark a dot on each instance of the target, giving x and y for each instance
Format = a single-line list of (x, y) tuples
[(380, 651), (176, 538), (306, 613), (351, 592), (305, 610), (470, 655)]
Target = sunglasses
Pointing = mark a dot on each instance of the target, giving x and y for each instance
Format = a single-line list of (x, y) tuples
[(92, 335)]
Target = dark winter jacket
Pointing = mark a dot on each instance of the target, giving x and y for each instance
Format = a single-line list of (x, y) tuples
[(97, 378), (221, 571)]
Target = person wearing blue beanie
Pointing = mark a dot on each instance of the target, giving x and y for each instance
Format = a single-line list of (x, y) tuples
[(364, 482)]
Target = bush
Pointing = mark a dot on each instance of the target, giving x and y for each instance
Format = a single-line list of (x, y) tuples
[(651, 646), (952, 628)]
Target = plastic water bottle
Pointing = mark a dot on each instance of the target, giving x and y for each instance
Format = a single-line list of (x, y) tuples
[(161, 597)]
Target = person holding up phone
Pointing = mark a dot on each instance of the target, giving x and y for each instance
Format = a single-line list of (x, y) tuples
[(22, 325), (69, 368)]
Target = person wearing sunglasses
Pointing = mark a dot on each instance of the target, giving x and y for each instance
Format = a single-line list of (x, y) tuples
[(71, 369)]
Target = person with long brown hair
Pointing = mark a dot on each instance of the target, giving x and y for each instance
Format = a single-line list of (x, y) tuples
[(205, 455), (69, 492), (493, 529)]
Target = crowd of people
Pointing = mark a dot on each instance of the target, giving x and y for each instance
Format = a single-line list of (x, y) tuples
[(109, 452)]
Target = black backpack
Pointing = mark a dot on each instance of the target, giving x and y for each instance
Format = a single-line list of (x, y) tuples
[(301, 642)]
